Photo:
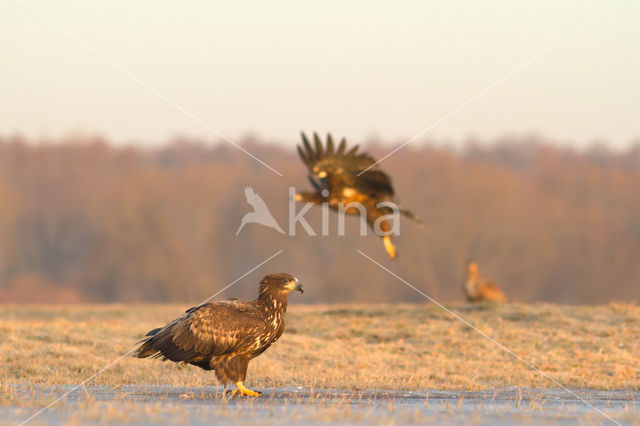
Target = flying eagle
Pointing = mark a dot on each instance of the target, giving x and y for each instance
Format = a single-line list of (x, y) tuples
[(341, 177), (224, 336), (479, 289)]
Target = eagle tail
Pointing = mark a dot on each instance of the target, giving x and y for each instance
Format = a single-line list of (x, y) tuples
[(146, 348), (410, 215)]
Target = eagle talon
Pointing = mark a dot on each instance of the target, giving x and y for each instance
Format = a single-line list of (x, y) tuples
[(244, 391), (220, 336), (335, 174), (389, 247)]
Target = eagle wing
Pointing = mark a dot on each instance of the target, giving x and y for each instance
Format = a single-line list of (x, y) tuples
[(207, 330), (344, 167), (492, 291)]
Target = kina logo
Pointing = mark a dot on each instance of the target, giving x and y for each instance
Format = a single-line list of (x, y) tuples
[(260, 213)]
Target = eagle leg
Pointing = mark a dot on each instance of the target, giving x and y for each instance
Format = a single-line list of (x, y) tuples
[(224, 394), (389, 247), (244, 391)]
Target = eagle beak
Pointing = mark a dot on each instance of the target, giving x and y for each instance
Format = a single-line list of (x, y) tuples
[(324, 182), (299, 287), (319, 182)]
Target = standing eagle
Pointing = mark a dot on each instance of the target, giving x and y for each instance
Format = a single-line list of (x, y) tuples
[(224, 336), (479, 289), (340, 177)]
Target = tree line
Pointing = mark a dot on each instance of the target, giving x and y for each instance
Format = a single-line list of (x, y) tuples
[(84, 221)]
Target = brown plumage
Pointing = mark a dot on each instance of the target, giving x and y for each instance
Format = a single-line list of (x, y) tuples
[(339, 178), (478, 289), (224, 336)]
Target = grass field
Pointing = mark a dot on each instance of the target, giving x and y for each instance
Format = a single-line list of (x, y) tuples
[(394, 347)]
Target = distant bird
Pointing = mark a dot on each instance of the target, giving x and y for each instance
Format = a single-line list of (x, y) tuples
[(224, 336), (339, 177), (260, 213), (478, 289)]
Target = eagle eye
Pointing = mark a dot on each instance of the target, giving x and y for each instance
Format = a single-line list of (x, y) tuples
[(284, 281)]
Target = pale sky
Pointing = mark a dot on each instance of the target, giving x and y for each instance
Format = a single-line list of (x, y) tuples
[(356, 68)]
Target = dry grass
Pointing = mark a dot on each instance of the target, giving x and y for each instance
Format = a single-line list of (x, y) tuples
[(413, 347)]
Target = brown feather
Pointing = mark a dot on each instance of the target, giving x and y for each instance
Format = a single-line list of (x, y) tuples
[(349, 177), (224, 335), (304, 158), (341, 147), (352, 152), (310, 153), (478, 289), (329, 145), (318, 143)]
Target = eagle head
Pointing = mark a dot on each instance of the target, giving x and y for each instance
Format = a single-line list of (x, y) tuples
[(282, 283), (472, 268), (320, 174)]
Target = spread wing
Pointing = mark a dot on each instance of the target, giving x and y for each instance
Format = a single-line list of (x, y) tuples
[(205, 331), (343, 167)]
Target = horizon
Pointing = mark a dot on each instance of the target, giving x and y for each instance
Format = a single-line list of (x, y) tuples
[(370, 142)]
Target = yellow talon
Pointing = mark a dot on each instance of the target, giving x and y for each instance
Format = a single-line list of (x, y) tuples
[(244, 391), (389, 247)]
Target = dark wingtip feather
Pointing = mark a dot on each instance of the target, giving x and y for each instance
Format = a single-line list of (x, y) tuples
[(307, 146), (329, 145), (145, 350), (318, 143), (352, 152), (154, 331), (302, 156), (341, 147)]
